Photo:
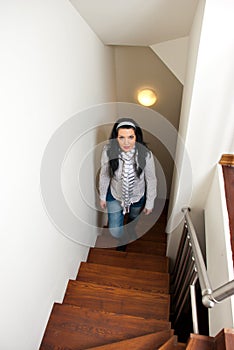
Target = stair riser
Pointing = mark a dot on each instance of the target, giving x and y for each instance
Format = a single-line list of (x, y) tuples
[(128, 260), (147, 342), (154, 248)]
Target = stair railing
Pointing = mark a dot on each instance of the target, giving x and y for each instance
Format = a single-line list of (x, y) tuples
[(190, 267)]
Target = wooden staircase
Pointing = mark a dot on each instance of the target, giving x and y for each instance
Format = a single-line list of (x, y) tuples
[(119, 300)]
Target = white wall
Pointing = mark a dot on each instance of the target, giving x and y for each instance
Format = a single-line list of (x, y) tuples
[(52, 65), (207, 116), (181, 194), (219, 252), (174, 54)]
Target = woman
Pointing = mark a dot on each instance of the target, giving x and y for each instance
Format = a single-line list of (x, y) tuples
[(127, 183)]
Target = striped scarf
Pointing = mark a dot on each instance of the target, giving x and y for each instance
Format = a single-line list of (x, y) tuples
[(128, 178)]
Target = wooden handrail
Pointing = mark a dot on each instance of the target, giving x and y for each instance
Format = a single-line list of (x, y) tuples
[(227, 159), (227, 163)]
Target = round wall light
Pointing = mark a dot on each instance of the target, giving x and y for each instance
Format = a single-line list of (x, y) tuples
[(147, 97)]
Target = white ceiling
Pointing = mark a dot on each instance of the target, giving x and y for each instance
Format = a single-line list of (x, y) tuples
[(137, 22)]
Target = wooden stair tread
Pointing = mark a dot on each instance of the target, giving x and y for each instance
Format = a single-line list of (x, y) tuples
[(147, 247), (181, 346), (225, 339), (128, 259), (203, 342), (156, 233), (144, 342), (118, 300), (72, 327), (170, 344), (122, 277)]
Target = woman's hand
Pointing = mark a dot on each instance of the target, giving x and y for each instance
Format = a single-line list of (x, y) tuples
[(103, 204), (147, 211)]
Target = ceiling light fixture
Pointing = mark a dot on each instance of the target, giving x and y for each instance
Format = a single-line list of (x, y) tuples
[(147, 97)]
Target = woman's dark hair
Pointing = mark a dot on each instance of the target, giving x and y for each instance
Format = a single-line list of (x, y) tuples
[(113, 149)]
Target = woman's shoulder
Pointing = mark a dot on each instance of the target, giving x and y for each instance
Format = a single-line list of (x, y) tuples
[(105, 148), (149, 155)]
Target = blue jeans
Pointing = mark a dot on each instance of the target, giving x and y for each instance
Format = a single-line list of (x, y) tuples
[(116, 217)]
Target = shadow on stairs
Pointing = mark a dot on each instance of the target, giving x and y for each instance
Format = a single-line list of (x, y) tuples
[(119, 300)]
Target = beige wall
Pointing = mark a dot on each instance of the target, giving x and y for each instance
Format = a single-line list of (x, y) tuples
[(138, 67)]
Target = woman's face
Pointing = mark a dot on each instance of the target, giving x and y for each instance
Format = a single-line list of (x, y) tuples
[(126, 139)]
